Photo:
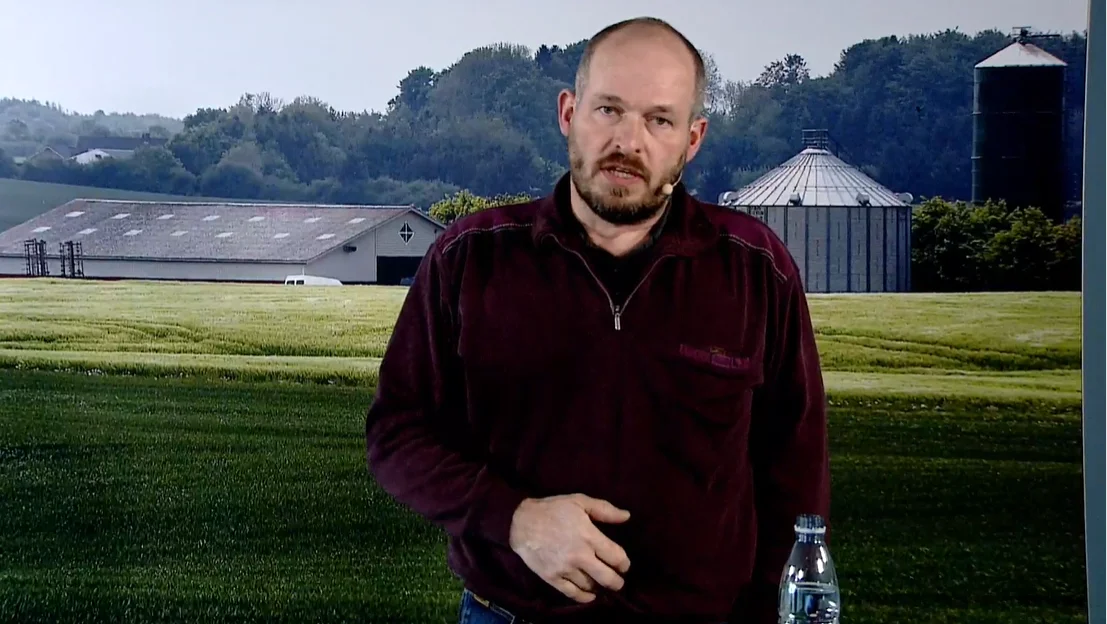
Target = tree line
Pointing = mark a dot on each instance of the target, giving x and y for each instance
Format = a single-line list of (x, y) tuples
[(898, 108)]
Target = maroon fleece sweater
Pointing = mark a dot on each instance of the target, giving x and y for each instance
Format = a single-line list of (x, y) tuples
[(692, 398)]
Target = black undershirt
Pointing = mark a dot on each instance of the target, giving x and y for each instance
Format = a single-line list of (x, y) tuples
[(621, 274)]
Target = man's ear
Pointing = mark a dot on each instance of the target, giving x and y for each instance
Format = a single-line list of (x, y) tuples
[(695, 136), (566, 106)]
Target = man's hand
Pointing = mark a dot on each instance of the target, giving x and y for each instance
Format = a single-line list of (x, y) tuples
[(556, 538)]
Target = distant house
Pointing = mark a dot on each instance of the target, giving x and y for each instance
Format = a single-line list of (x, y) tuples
[(94, 155), (91, 149), (91, 156), (47, 154)]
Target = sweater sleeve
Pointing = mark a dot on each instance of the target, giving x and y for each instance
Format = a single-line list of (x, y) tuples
[(788, 447), (415, 428)]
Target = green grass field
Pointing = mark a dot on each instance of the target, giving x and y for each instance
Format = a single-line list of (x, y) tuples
[(21, 200), (194, 452)]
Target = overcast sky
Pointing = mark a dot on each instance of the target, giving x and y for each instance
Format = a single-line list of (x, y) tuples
[(172, 57)]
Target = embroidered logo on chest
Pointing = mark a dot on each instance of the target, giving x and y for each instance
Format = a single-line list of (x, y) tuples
[(716, 357)]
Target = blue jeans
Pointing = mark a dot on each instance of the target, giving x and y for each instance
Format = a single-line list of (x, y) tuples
[(475, 611)]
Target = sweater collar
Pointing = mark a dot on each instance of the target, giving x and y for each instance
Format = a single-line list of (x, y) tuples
[(684, 230)]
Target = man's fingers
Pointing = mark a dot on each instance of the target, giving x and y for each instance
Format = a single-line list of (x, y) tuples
[(581, 579), (609, 552), (602, 574), (603, 511), (567, 587)]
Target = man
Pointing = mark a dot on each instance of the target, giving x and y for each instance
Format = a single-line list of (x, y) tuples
[(610, 398)]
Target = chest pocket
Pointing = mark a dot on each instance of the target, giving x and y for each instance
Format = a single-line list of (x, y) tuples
[(703, 397)]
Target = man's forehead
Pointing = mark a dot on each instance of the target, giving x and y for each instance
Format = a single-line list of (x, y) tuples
[(642, 56), (643, 67), (647, 88), (642, 47)]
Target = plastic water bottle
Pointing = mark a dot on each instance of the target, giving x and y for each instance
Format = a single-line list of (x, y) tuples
[(809, 585)]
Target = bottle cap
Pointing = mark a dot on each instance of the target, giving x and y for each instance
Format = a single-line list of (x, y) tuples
[(810, 524)]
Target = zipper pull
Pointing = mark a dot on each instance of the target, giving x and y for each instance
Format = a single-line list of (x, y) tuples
[(618, 321)]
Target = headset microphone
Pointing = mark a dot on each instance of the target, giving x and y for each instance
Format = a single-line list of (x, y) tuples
[(667, 188)]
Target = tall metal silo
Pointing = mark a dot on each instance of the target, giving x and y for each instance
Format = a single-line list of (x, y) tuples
[(1018, 128)]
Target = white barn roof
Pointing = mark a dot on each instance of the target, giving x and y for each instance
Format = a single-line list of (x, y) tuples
[(813, 178), (199, 231)]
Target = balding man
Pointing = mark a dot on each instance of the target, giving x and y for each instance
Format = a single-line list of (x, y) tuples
[(610, 398)]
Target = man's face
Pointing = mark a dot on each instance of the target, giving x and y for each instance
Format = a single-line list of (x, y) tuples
[(631, 130)]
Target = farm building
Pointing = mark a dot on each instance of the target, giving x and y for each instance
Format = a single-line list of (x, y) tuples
[(846, 232), (1019, 118), (90, 149), (115, 239)]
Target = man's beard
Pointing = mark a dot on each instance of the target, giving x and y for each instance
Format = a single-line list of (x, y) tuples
[(612, 205)]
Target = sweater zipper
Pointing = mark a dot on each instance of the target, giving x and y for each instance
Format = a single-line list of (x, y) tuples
[(616, 310)]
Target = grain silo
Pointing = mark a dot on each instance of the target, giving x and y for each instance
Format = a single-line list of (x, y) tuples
[(1018, 128), (846, 232)]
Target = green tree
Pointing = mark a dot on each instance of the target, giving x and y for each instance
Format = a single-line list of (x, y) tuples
[(789, 71), (231, 180), (504, 83), (415, 90), (157, 170), (560, 63), (463, 202), (202, 145), (1066, 262), (944, 247), (1023, 256)]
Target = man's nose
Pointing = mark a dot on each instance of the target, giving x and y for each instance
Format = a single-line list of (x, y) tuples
[(628, 134)]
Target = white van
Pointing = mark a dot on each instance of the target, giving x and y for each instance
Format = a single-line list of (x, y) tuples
[(311, 280)]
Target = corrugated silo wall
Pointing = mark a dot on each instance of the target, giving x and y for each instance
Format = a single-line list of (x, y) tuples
[(776, 219), (905, 249), (796, 236), (910, 212), (897, 253), (877, 262), (839, 249), (891, 249), (817, 249), (790, 225), (858, 250), (844, 249)]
